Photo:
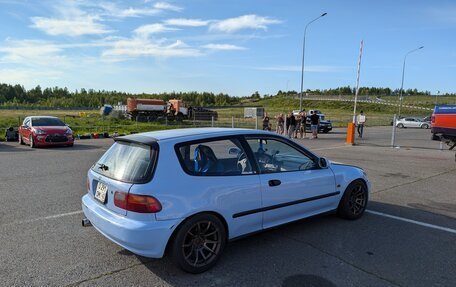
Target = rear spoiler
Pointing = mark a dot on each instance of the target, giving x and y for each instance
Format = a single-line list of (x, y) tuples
[(138, 139)]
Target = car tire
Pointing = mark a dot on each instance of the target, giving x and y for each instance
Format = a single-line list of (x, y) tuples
[(400, 126), (21, 141), (31, 142), (354, 201), (198, 243), (425, 126)]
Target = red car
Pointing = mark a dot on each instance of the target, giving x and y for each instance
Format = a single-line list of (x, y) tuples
[(45, 131)]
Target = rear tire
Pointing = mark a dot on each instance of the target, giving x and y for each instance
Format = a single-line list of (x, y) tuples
[(354, 201), (198, 243)]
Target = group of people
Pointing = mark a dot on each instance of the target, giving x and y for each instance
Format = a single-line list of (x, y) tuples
[(294, 126)]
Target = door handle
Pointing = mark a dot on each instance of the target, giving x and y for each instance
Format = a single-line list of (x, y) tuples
[(274, 182)]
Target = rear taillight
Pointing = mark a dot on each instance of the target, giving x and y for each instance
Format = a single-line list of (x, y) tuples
[(433, 119), (136, 202)]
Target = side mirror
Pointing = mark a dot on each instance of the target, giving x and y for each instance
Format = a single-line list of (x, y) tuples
[(234, 151), (322, 162)]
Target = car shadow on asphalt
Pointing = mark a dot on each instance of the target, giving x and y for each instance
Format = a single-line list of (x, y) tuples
[(282, 254)]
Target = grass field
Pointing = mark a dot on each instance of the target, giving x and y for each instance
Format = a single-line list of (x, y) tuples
[(340, 113)]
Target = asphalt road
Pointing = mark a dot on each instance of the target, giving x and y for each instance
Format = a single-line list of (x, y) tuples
[(43, 243)]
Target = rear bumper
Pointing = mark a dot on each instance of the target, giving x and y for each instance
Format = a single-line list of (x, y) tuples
[(145, 238)]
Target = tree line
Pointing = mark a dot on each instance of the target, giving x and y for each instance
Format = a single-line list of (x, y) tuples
[(17, 95)]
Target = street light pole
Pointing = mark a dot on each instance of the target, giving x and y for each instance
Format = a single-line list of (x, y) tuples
[(403, 73), (303, 50)]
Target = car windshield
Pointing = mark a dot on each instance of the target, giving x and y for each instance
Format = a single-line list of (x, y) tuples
[(127, 162), (47, 122)]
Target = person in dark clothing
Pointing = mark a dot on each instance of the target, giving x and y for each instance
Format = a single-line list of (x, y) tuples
[(314, 122), (265, 121), (291, 124)]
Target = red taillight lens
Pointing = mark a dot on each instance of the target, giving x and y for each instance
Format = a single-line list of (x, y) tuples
[(433, 119), (136, 202)]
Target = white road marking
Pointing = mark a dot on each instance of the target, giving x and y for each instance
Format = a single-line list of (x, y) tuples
[(450, 230), (44, 218)]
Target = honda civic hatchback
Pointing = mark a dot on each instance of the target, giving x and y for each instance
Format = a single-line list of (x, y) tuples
[(190, 191)]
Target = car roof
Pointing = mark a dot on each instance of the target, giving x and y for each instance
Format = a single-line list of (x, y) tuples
[(191, 132), (42, 117)]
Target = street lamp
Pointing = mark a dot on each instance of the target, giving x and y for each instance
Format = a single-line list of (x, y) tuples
[(303, 49), (403, 71)]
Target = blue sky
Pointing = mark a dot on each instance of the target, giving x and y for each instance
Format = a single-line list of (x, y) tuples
[(235, 47)]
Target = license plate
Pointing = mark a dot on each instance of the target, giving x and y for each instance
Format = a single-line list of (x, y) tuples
[(102, 190)]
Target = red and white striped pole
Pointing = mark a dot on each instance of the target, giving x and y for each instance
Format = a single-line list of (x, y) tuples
[(351, 126)]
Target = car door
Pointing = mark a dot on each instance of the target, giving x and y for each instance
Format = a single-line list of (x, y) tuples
[(292, 184), (221, 175)]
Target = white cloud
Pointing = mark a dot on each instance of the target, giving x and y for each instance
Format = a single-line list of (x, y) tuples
[(28, 77), (146, 30), (186, 22), (223, 47), (32, 52), (167, 6), (70, 27), (113, 10), (136, 47), (243, 22)]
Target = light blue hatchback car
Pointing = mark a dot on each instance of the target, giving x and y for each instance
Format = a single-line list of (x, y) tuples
[(189, 191)]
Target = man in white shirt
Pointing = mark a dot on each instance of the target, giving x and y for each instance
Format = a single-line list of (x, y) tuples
[(361, 120)]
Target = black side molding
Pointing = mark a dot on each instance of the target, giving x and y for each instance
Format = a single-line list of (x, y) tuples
[(285, 204)]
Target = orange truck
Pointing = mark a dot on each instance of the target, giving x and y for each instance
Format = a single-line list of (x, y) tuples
[(443, 124), (152, 109), (146, 110)]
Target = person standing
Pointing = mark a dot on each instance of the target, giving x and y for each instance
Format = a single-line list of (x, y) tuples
[(265, 121), (291, 123), (303, 124), (314, 123), (360, 121), (298, 125), (280, 121)]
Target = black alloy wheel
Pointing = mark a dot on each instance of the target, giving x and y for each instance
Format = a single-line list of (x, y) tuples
[(354, 201), (198, 243)]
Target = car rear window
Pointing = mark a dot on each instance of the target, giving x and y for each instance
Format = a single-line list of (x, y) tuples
[(47, 122), (127, 162)]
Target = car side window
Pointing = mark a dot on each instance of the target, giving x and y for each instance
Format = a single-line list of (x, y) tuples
[(27, 123), (216, 158), (276, 156)]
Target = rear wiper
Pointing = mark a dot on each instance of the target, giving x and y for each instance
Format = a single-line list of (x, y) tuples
[(102, 166)]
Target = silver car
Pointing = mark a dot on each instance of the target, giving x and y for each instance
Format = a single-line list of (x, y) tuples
[(412, 123)]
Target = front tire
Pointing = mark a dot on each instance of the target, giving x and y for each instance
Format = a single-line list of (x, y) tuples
[(198, 243), (21, 142), (400, 126), (354, 201), (425, 126)]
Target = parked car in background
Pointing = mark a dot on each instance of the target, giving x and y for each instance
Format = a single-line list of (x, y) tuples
[(39, 131), (410, 122), (225, 183)]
